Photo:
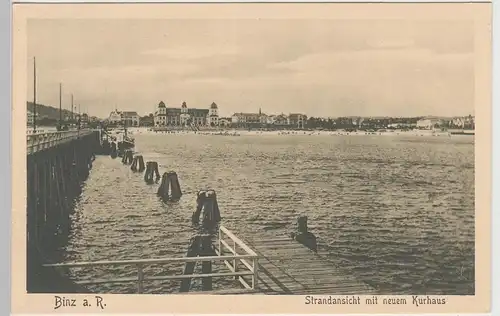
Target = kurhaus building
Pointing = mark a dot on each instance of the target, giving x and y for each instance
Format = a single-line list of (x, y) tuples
[(184, 116)]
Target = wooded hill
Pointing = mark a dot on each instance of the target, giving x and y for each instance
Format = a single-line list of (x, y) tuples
[(45, 111)]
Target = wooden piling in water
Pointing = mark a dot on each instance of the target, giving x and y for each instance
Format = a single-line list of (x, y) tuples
[(138, 164), (207, 202), (128, 157), (169, 189), (113, 151), (151, 172)]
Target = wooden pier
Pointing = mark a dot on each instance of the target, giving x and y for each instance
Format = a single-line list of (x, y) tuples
[(287, 267), (280, 266), (57, 164)]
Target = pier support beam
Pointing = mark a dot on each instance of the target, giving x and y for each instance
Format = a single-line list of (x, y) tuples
[(193, 251), (54, 179)]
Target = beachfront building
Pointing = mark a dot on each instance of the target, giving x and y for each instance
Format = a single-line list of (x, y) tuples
[(297, 120), (213, 115), (270, 119), (250, 119), (225, 121), (85, 118), (160, 116), (115, 117), (244, 119), (281, 119), (30, 118), (184, 116), (428, 123), (131, 118), (467, 122)]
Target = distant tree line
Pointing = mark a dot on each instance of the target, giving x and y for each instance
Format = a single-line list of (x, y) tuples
[(359, 123)]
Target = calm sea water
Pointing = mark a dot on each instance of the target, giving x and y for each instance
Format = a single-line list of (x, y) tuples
[(397, 212)]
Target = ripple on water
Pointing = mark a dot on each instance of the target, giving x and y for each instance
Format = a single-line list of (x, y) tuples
[(398, 213)]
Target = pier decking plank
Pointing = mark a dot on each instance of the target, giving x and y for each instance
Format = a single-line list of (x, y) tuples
[(288, 267)]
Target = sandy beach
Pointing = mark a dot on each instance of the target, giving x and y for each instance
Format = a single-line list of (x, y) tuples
[(235, 132)]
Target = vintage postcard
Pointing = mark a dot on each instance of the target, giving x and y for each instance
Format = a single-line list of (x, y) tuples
[(254, 158)]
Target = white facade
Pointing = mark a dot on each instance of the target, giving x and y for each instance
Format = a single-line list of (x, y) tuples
[(115, 117), (184, 117), (225, 122), (427, 123), (160, 116), (132, 118), (213, 115), (270, 119)]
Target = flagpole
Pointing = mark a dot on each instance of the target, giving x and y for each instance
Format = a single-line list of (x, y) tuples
[(34, 95), (60, 105)]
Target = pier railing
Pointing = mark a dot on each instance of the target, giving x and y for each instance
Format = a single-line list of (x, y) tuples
[(233, 244), (226, 238), (41, 141)]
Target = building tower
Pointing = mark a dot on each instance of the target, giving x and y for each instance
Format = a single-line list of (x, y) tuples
[(213, 115), (160, 118), (184, 118)]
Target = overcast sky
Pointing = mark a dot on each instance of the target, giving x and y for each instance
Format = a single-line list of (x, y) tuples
[(317, 67)]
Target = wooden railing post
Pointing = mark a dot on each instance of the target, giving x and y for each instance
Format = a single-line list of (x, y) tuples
[(235, 265), (255, 277), (220, 242), (140, 278)]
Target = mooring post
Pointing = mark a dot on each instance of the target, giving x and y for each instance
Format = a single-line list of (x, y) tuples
[(200, 197), (120, 149), (207, 201), (141, 163), (156, 171), (169, 189), (113, 151), (128, 156), (303, 236), (133, 167), (211, 213), (148, 178), (176, 192), (163, 188), (151, 170)]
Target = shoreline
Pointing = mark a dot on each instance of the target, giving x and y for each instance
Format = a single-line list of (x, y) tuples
[(236, 132)]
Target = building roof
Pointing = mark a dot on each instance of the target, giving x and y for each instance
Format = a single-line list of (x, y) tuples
[(213, 105), (296, 114), (130, 113), (245, 114), (161, 104), (184, 105)]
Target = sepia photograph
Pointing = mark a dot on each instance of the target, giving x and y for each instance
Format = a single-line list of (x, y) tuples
[(325, 158)]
